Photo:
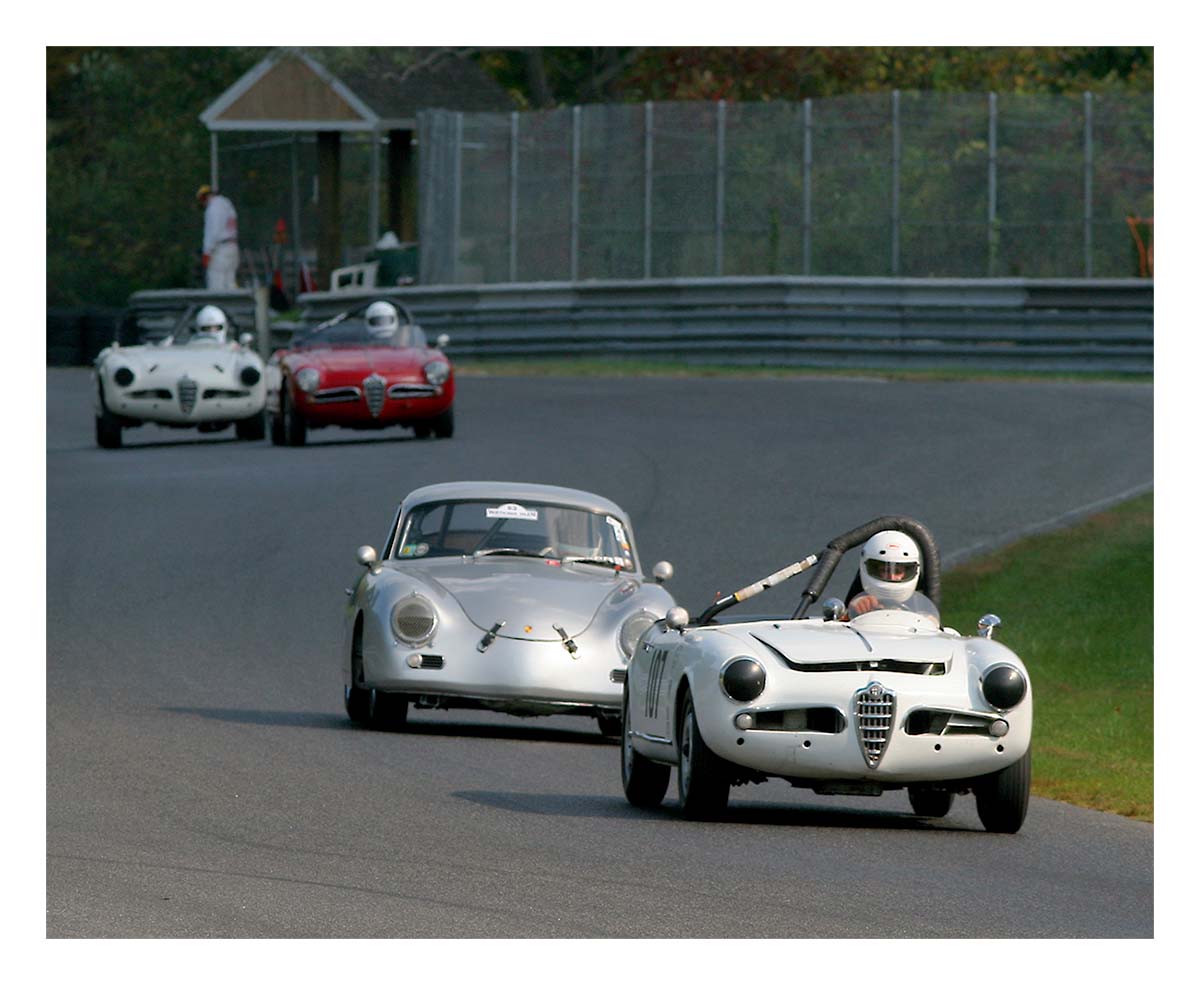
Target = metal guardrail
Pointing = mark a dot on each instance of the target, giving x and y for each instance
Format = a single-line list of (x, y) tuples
[(1012, 324)]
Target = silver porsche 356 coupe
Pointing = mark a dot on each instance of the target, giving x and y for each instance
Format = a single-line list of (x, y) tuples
[(513, 597), (869, 696)]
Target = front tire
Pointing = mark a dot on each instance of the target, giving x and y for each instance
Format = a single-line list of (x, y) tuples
[(1002, 798), (930, 803), (443, 424), (644, 780), (703, 780), (251, 428), (108, 430), (295, 428), (609, 725), (388, 711)]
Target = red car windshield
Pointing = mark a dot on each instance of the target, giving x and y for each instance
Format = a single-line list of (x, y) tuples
[(356, 332)]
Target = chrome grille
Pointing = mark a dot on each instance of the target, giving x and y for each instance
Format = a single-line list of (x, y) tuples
[(374, 390), (432, 661), (187, 395), (874, 713)]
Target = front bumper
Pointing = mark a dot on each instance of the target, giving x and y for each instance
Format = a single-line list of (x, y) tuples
[(342, 408), (906, 758), (509, 671)]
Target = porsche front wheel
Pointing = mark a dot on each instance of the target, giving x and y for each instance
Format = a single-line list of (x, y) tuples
[(1002, 798), (388, 711), (644, 780), (703, 781)]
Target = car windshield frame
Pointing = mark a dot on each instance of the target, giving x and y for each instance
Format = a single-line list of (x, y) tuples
[(505, 539)]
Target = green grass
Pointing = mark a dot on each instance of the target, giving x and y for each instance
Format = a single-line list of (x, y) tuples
[(1077, 606), (533, 366)]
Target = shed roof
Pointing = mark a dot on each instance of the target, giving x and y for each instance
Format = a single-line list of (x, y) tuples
[(291, 90)]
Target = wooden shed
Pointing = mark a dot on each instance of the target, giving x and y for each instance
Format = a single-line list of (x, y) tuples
[(292, 91)]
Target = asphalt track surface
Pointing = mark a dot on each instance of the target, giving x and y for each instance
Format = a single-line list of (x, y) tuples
[(202, 779)]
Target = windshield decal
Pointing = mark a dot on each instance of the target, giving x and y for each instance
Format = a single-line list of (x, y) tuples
[(511, 511)]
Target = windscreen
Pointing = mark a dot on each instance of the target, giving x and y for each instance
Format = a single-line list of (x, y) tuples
[(355, 331), (470, 527)]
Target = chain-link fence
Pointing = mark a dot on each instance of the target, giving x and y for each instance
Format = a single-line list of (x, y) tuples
[(899, 184)]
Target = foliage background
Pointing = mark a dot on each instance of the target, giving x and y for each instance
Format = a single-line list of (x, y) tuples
[(126, 149)]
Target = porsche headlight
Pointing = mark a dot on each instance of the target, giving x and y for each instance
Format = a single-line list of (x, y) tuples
[(414, 620), (437, 372), (308, 379), (632, 629)]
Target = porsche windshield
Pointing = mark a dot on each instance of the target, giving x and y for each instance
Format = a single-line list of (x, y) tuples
[(354, 331), (495, 528)]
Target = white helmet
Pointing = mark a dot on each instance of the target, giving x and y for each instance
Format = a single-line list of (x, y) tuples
[(210, 323), (382, 320), (890, 566)]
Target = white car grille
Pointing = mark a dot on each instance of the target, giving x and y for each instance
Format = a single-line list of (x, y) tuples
[(187, 395), (374, 390), (874, 714)]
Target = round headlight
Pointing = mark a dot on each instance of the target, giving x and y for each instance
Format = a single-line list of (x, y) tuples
[(1003, 686), (437, 372), (414, 620), (123, 376), (743, 679), (632, 629), (308, 379), (250, 375)]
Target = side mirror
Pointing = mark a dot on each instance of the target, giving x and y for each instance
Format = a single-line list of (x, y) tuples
[(833, 610), (247, 340), (441, 341), (988, 624), (677, 617), (366, 556), (664, 571)]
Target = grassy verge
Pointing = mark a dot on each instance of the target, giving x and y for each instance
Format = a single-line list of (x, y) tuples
[(1078, 607), (679, 368)]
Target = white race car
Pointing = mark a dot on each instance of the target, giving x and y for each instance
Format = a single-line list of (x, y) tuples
[(876, 697), (509, 596), (193, 378)]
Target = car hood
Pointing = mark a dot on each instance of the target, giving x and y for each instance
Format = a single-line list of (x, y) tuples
[(527, 592), (809, 644), (355, 362), (171, 362)]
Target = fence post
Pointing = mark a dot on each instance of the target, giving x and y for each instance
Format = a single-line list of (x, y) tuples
[(648, 188), (808, 159), (1088, 164), (993, 230), (512, 195), (720, 217), (895, 182), (213, 169), (373, 196), (575, 111), (457, 200)]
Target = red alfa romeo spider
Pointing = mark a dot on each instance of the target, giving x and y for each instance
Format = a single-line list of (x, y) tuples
[(367, 368)]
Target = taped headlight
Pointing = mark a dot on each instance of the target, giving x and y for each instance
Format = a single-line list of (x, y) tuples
[(308, 379), (250, 375), (123, 376), (414, 620), (1003, 686), (437, 372), (632, 629)]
